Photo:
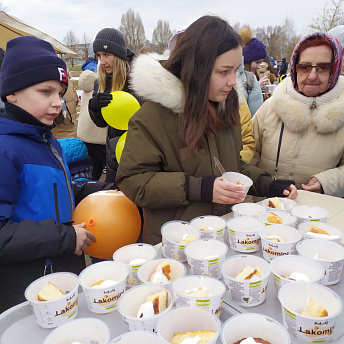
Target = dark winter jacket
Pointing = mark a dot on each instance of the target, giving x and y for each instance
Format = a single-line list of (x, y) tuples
[(284, 66), (36, 205)]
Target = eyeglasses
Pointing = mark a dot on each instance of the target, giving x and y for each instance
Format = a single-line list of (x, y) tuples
[(307, 68)]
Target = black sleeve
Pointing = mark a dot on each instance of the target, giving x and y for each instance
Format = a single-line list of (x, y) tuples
[(81, 189), (29, 240), (267, 187), (96, 116)]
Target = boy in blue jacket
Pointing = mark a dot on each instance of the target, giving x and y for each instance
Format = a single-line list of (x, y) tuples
[(36, 196)]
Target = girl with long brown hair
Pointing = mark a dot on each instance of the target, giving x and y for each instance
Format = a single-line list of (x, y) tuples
[(191, 115)]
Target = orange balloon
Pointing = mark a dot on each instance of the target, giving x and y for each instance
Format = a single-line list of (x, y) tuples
[(112, 218)]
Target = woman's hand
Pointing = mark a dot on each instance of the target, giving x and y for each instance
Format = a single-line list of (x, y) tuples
[(227, 193), (99, 100), (263, 81), (313, 186), (84, 238), (290, 191)]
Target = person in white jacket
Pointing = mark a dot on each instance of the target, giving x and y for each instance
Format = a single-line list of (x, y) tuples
[(93, 136), (308, 104)]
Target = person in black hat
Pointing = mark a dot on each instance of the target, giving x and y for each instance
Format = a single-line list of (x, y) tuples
[(36, 197), (114, 66)]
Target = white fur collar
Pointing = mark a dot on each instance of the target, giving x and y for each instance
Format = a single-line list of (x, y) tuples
[(294, 108), (149, 79)]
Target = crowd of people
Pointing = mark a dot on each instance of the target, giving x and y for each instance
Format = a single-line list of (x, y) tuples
[(204, 99)]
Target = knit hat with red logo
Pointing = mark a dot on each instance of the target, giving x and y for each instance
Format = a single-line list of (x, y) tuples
[(28, 61)]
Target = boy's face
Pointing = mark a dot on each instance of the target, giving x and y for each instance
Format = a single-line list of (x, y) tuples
[(42, 101)]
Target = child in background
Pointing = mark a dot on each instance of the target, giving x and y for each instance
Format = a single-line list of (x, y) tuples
[(36, 196), (254, 52)]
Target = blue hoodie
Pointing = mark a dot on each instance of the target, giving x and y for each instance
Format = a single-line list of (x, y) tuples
[(255, 98)]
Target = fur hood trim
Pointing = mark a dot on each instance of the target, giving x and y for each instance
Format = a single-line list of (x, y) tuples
[(295, 111), (149, 79)]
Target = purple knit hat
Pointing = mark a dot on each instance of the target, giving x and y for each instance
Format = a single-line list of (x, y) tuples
[(337, 60), (254, 50)]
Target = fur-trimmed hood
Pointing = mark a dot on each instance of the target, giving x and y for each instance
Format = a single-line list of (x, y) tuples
[(149, 79), (295, 111)]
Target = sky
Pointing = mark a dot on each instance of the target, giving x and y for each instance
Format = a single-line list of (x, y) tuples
[(86, 17)]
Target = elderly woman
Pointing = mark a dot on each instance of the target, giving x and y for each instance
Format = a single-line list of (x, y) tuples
[(299, 132)]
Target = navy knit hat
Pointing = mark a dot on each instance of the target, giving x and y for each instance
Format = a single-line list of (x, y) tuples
[(254, 49), (28, 61), (111, 41)]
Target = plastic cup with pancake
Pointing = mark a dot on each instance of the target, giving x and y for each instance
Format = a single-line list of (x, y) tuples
[(103, 284), (314, 327), (135, 337), (238, 179), (279, 240), (332, 233), (83, 330), (247, 209), (287, 219), (54, 313), (328, 253), (129, 306), (254, 325), (287, 204), (243, 234), (185, 319), (310, 213), (146, 271), (289, 269), (205, 257), (251, 291), (174, 235), (210, 227), (199, 291), (133, 256)]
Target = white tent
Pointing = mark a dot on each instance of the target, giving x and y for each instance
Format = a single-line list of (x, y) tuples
[(11, 27)]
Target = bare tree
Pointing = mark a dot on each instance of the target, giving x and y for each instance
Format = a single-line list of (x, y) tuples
[(279, 40), (133, 30), (86, 45), (70, 40), (331, 16), (161, 35), (237, 26)]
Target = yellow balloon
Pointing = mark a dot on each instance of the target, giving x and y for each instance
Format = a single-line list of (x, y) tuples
[(118, 112), (120, 146)]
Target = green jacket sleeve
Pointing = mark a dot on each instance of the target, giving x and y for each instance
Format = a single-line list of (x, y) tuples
[(141, 175)]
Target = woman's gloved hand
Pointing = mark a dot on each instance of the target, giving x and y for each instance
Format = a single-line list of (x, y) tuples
[(99, 100), (283, 188)]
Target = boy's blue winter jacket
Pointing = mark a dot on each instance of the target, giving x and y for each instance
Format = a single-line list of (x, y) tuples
[(36, 178), (36, 206)]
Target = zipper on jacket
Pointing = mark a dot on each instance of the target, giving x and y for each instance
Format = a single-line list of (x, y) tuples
[(233, 147), (59, 159), (48, 266), (314, 104), (56, 204)]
